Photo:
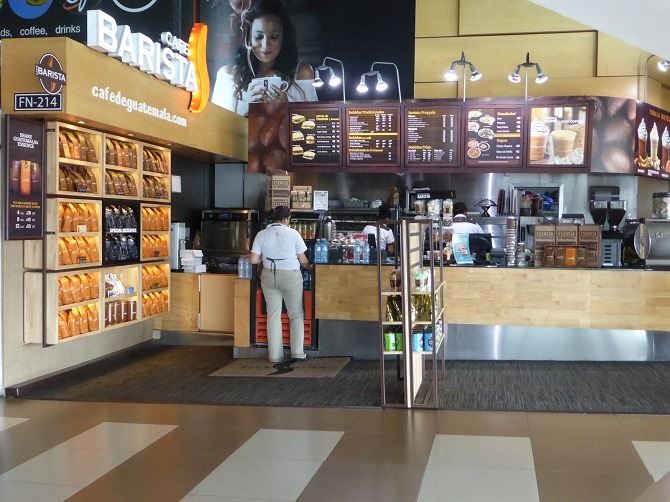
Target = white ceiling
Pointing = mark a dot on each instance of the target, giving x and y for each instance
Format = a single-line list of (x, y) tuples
[(642, 23)]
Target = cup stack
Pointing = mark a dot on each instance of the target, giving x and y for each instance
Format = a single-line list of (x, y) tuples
[(510, 241)]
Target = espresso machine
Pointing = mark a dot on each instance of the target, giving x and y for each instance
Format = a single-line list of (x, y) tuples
[(608, 211)]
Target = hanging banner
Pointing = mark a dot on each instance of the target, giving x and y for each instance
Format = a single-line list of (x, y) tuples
[(24, 186)]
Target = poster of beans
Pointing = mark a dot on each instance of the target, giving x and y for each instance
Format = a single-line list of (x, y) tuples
[(612, 135), (24, 188)]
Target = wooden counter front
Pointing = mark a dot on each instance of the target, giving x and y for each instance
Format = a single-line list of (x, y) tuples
[(347, 292), (581, 298)]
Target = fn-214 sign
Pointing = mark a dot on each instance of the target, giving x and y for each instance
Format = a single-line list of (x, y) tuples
[(37, 101)]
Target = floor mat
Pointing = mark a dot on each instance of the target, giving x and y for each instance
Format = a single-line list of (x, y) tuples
[(320, 367)]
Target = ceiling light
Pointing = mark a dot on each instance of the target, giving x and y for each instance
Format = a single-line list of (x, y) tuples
[(663, 65), (333, 80), (515, 78), (362, 86)]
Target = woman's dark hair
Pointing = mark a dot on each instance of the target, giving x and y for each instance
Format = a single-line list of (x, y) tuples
[(286, 62), (280, 212), (460, 208)]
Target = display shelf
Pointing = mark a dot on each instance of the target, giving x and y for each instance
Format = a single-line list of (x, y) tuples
[(419, 387), (156, 173), (155, 277), (154, 218), (121, 294), (121, 183), (154, 247), (73, 160), (70, 217), (121, 153), (155, 303)]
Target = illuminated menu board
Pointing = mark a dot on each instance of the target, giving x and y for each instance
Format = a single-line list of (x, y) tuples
[(557, 135), (316, 137), (494, 136), (431, 135), (373, 137)]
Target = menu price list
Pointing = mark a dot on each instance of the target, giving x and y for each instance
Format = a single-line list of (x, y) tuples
[(494, 136), (316, 137), (373, 136), (432, 135)]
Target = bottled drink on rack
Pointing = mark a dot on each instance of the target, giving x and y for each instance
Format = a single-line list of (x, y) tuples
[(357, 251), (366, 253)]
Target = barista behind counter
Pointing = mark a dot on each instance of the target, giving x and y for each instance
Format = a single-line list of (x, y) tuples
[(386, 239)]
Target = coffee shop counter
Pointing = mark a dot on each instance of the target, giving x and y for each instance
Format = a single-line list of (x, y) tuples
[(519, 313)]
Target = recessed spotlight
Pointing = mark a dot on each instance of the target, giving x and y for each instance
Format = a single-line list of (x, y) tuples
[(81, 122), (131, 134)]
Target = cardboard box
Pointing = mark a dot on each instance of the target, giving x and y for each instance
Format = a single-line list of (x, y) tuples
[(590, 236), (272, 202), (279, 181), (566, 235), (279, 193), (545, 235)]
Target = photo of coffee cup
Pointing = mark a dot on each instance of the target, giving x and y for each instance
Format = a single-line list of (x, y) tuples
[(580, 129), (271, 82), (564, 142), (538, 140)]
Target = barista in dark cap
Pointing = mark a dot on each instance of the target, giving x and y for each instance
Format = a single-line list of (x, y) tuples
[(461, 224)]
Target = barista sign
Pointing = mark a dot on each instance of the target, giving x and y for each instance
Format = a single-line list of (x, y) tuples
[(171, 59)]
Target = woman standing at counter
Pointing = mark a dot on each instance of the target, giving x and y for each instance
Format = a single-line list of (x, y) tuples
[(269, 49), (282, 252)]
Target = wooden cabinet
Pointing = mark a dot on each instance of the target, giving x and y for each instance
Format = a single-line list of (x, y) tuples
[(412, 319), (122, 161), (90, 174), (74, 164), (156, 169), (155, 232)]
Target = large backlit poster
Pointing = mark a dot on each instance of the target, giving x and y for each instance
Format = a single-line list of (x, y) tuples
[(327, 28), (24, 185)]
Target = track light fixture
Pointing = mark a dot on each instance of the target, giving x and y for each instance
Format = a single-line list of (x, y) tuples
[(333, 79), (663, 65), (515, 78), (452, 76), (381, 86)]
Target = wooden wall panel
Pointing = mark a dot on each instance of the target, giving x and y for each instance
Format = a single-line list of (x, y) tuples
[(617, 58), (511, 16), (436, 19), (435, 90), (561, 55)]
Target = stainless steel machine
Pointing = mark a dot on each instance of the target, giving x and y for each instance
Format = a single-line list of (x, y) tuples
[(225, 235), (651, 241)]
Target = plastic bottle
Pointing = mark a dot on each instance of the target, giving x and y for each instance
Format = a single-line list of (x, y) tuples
[(318, 251), (240, 268), (247, 268), (366, 253), (326, 251), (323, 250), (357, 251)]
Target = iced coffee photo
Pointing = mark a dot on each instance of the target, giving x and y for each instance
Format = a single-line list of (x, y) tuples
[(557, 135)]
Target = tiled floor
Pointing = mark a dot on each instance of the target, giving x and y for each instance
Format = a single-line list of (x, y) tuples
[(57, 450)]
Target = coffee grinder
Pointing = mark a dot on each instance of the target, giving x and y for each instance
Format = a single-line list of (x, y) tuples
[(608, 211)]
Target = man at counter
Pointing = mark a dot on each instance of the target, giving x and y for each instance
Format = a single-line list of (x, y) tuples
[(386, 239), (461, 224)]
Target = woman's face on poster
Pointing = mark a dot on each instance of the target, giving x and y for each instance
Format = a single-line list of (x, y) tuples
[(267, 35)]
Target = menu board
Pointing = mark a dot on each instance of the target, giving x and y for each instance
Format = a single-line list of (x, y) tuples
[(431, 135), (652, 141), (373, 137), (316, 137), (494, 136), (557, 135), (24, 194)]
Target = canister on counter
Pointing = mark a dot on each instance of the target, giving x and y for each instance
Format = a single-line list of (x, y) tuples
[(417, 341), (389, 341), (398, 341)]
